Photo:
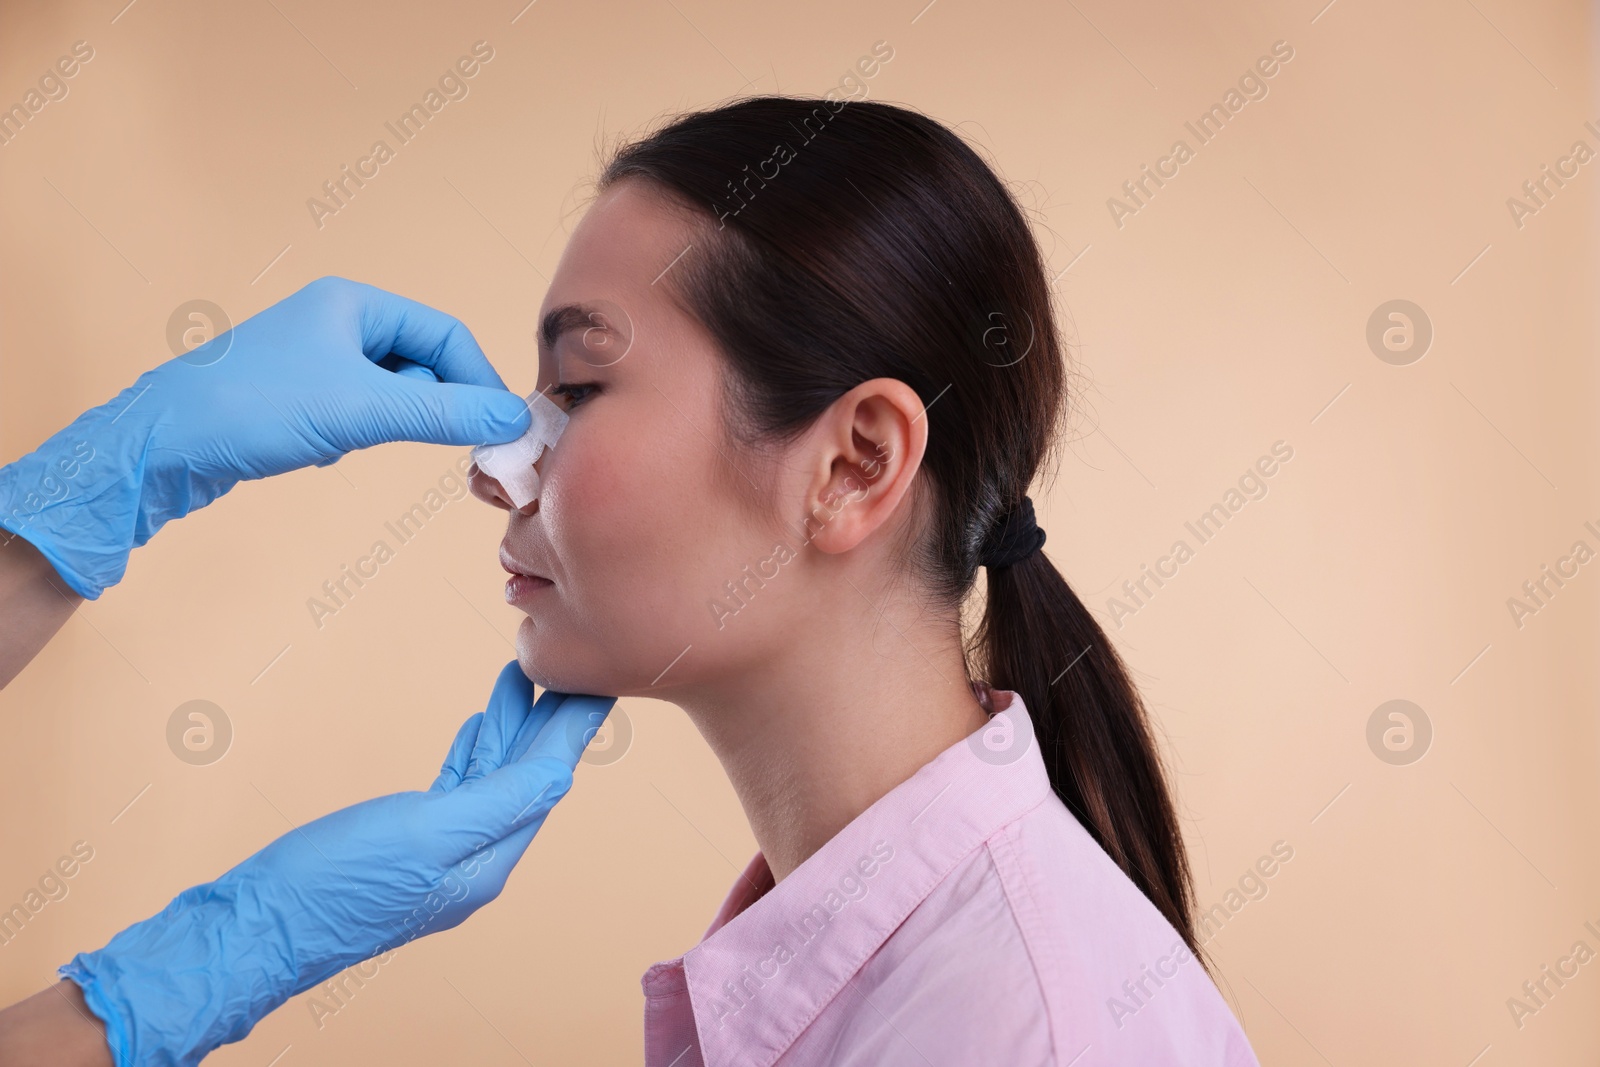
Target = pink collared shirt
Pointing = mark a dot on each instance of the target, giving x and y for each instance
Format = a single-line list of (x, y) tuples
[(966, 917)]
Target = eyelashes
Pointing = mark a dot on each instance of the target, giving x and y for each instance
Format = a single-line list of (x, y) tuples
[(575, 392)]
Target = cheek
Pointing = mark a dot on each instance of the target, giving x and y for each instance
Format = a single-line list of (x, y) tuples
[(592, 503), (641, 543)]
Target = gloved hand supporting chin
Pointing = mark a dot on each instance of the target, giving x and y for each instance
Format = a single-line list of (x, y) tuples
[(342, 889)]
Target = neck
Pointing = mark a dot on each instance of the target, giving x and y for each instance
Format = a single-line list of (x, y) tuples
[(819, 730)]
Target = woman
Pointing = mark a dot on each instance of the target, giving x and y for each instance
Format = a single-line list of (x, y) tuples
[(807, 353), (810, 367)]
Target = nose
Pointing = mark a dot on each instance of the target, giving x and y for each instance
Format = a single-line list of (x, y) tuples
[(489, 490)]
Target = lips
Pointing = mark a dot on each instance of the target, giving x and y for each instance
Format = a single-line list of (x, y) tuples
[(523, 583), (514, 566)]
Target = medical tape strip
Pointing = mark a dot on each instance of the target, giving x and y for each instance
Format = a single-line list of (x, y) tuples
[(511, 464)]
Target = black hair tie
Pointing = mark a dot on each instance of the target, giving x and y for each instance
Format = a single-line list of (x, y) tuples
[(1015, 537)]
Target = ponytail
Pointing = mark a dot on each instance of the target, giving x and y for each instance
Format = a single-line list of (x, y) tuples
[(1037, 638)]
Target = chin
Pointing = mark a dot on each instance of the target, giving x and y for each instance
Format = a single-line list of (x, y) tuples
[(548, 667), (529, 657)]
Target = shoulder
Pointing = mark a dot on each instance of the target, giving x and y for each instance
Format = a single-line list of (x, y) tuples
[(1037, 949), (1119, 984), (951, 984)]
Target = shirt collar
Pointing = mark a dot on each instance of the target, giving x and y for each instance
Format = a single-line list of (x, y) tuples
[(776, 955)]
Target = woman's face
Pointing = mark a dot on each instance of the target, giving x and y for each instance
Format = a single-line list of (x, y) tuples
[(640, 520)]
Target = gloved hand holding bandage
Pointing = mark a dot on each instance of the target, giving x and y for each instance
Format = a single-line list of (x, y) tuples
[(512, 464), (336, 367)]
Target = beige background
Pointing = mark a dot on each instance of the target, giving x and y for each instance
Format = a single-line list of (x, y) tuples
[(1228, 314)]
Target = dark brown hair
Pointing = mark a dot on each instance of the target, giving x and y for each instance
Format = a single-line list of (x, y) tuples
[(842, 241)]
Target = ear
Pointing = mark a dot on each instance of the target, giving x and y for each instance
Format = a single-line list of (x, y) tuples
[(870, 446)]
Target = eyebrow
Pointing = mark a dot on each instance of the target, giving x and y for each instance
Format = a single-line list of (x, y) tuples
[(558, 320)]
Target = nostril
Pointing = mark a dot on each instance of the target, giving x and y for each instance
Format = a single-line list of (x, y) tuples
[(487, 489), (514, 468)]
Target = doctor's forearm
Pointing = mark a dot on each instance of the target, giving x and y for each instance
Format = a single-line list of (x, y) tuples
[(34, 604), (54, 1027)]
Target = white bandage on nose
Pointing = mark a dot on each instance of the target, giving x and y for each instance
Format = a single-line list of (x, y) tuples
[(511, 464)]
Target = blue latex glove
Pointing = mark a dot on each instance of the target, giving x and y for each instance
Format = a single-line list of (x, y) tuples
[(342, 889), (336, 367)]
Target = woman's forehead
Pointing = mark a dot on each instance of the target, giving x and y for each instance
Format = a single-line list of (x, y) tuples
[(627, 239)]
